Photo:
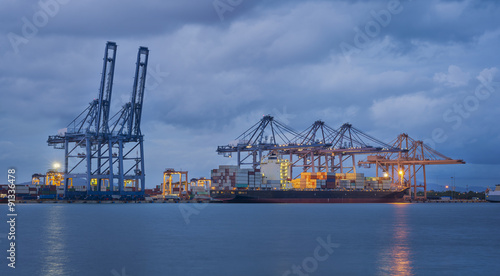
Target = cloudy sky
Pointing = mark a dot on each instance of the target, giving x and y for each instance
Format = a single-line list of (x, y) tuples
[(426, 68)]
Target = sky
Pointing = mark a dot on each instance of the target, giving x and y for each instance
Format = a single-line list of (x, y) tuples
[(426, 68)]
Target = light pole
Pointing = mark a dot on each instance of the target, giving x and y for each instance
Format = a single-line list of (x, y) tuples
[(454, 178), (453, 191)]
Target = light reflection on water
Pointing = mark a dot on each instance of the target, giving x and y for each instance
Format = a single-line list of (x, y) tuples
[(396, 259), (54, 241), (252, 239)]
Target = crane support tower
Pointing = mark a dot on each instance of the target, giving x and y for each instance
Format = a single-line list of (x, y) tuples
[(99, 149)]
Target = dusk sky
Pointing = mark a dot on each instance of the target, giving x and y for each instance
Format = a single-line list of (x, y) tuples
[(426, 68)]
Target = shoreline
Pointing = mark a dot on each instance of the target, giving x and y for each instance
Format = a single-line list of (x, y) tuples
[(202, 201)]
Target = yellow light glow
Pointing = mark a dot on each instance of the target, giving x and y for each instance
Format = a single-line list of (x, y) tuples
[(56, 165), (401, 172), (446, 187), (386, 175)]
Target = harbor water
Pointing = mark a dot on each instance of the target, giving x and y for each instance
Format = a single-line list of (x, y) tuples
[(254, 239)]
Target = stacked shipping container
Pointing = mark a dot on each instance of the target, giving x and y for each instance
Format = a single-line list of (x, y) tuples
[(378, 183), (320, 180), (255, 179), (232, 177), (228, 177)]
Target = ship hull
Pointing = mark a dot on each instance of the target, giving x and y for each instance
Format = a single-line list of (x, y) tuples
[(297, 196), (493, 198)]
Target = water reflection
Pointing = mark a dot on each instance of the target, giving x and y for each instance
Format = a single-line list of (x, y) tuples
[(396, 259), (54, 249)]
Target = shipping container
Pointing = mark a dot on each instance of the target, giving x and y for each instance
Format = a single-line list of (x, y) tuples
[(241, 185), (51, 196)]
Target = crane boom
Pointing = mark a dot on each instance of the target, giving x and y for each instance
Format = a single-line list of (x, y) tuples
[(106, 88), (134, 120)]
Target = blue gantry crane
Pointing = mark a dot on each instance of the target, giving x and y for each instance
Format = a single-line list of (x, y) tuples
[(108, 143)]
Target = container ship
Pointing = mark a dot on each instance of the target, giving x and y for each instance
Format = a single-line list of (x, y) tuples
[(272, 184)]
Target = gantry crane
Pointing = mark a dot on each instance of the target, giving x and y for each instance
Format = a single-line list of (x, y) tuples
[(205, 183), (167, 180), (318, 148), (268, 136), (405, 166), (52, 177), (108, 161), (342, 145)]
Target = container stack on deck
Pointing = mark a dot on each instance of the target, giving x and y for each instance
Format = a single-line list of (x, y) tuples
[(378, 183), (232, 177), (320, 180), (357, 180), (224, 178), (228, 177), (242, 178), (255, 179)]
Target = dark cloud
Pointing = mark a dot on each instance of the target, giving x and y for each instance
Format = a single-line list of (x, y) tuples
[(213, 77)]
